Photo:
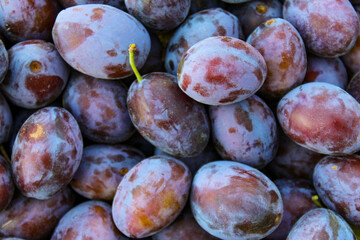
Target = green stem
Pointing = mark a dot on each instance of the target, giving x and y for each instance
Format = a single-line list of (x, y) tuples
[(132, 50), (4, 153), (315, 199)]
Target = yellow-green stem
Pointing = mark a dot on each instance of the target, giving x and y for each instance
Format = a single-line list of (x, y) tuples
[(315, 199), (132, 50), (4, 153)]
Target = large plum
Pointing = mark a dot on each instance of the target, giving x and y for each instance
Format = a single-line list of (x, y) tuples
[(245, 132), (28, 19), (168, 118), (89, 220), (34, 219), (284, 52), (221, 70), (321, 117), (102, 168), (231, 200), (321, 223), (150, 196), (336, 182), (37, 74), (329, 28), (46, 153), (78, 29), (99, 106), (201, 25)]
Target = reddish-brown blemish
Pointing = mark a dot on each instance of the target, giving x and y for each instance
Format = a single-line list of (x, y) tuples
[(242, 117), (232, 130), (203, 91), (43, 86), (112, 53), (97, 14), (186, 82), (116, 71)]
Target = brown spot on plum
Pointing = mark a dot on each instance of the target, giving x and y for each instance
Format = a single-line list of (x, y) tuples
[(242, 118), (182, 44), (311, 76), (46, 160), (44, 18), (37, 132), (116, 71), (43, 86), (221, 31), (112, 53), (203, 91), (232, 130), (35, 66), (133, 176), (233, 95), (74, 35), (274, 196), (215, 76), (166, 125), (269, 22), (97, 14), (177, 171), (186, 82)]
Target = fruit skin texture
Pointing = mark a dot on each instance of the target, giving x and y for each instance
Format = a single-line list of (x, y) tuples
[(321, 117), (6, 120), (231, 200), (89, 220), (22, 20), (7, 186), (46, 153), (201, 25), (99, 106), (321, 223), (102, 168), (221, 70), (78, 29), (329, 28), (151, 196), (168, 119), (160, 15), (245, 132), (30, 218), (37, 74), (4, 61), (284, 52), (336, 180)]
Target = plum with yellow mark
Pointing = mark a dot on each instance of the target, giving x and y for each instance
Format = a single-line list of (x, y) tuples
[(46, 152), (151, 196), (336, 181)]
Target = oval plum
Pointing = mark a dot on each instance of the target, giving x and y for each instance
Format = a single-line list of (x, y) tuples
[(150, 196), (46, 153), (321, 117), (221, 70), (78, 29), (231, 200)]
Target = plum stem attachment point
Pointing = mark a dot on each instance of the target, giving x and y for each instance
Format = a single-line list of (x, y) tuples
[(4, 153), (315, 199), (132, 50)]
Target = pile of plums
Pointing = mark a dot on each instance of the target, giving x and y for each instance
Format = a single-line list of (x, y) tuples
[(179, 119)]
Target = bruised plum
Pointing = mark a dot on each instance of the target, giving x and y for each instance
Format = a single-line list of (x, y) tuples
[(168, 118), (329, 28), (293, 160), (99, 106), (297, 198), (185, 227), (150, 196), (6, 120), (7, 186), (253, 13), (102, 168), (321, 223), (284, 52), (89, 220), (204, 24), (46, 153), (77, 30), (221, 70), (245, 132), (22, 20), (160, 15), (35, 219), (231, 200), (330, 70), (321, 117), (336, 182), (37, 74)]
